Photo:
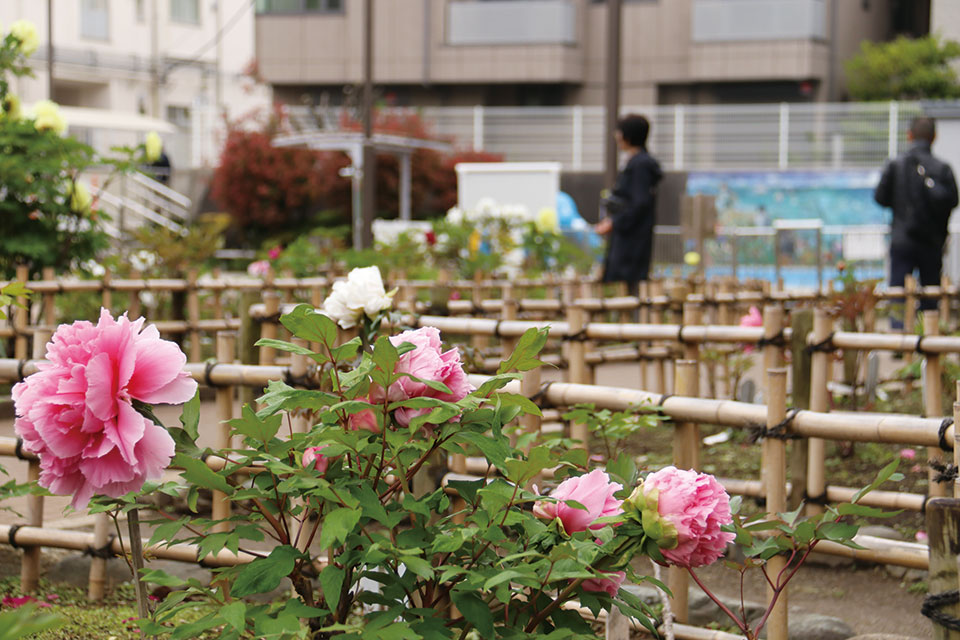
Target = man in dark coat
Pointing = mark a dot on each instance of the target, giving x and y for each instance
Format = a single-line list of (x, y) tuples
[(630, 208), (922, 192)]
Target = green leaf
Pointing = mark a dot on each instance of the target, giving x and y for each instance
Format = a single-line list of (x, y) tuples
[(307, 323), (161, 578), (196, 472), (264, 574), (846, 509), (250, 425), (190, 417), (337, 525), (331, 581), (235, 614), (476, 612), (493, 449), (791, 517), (283, 345), (524, 356), (520, 471), (882, 477), (467, 489), (501, 577), (837, 531)]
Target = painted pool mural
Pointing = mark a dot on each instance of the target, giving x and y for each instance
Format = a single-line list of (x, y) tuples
[(840, 198)]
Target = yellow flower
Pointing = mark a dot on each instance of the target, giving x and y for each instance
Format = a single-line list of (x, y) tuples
[(153, 147), (47, 115), (80, 199), (692, 258), (474, 242), (10, 107), (26, 32), (547, 221)]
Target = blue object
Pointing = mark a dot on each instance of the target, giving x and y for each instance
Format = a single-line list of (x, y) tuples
[(573, 226)]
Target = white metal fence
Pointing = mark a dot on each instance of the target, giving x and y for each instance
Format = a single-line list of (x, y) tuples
[(763, 136)]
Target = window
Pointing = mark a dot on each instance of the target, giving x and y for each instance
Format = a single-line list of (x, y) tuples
[(95, 19), (187, 11), (179, 116), (141, 11), (299, 6)]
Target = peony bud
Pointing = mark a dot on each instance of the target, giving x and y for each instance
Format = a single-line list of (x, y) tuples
[(153, 147), (312, 458)]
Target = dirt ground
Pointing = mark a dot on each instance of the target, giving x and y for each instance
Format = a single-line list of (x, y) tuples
[(867, 598)]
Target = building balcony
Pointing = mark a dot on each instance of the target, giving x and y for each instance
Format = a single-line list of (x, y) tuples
[(749, 20), (507, 22)]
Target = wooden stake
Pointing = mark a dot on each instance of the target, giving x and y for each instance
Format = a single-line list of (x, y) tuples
[(249, 334), (932, 398), (577, 372), (96, 587), (269, 327), (775, 485), (226, 353), (193, 315), (772, 327), (49, 300), (136, 557), (686, 455), (106, 295), (820, 402), (801, 322), (943, 529), (21, 318)]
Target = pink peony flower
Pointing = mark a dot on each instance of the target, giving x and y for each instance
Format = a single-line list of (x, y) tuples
[(77, 412), (922, 536), (908, 454), (313, 458), (365, 419), (690, 509), (610, 584), (17, 602), (274, 253), (753, 319), (258, 269), (426, 362), (593, 490)]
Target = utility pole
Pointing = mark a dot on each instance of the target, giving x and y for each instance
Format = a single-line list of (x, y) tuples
[(363, 237), (50, 49), (218, 87), (154, 60), (612, 101)]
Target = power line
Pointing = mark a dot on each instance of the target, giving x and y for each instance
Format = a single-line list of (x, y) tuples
[(227, 26)]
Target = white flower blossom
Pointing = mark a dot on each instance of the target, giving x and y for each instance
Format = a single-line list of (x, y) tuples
[(143, 260), (362, 293)]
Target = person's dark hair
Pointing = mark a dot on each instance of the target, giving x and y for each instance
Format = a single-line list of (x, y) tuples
[(923, 128), (634, 130)]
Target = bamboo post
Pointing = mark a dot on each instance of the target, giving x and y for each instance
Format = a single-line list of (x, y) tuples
[(686, 455), (268, 326), (725, 317), (298, 371), (870, 313), (136, 557), (772, 327), (660, 364), (249, 334), (508, 312), (943, 529), (801, 322), (477, 292), (134, 310), (97, 584), (819, 402), (21, 318), (193, 316), (945, 300), (909, 311), (576, 356), (106, 294), (956, 443), (226, 354), (590, 290), (49, 299), (30, 562), (932, 398), (217, 295), (775, 488)]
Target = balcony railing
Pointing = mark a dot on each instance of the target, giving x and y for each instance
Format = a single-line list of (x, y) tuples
[(737, 20), (502, 22)]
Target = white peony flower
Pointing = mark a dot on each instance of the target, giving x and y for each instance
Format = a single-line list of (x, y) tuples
[(26, 32), (94, 268), (143, 260), (361, 293), (80, 200), (46, 115)]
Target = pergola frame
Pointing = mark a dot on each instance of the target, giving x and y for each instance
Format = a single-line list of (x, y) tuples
[(352, 144)]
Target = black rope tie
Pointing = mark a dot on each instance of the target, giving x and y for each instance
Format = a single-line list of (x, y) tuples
[(663, 399), (204, 456), (304, 381), (20, 366), (774, 341), (820, 499), (824, 346), (919, 348), (477, 308), (942, 434), (18, 450), (579, 336), (680, 334), (932, 604), (777, 431), (12, 536), (541, 394), (271, 319), (208, 373), (496, 329), (946, 472), (105, 552)]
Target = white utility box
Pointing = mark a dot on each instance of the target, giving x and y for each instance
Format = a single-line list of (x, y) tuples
[(534, 185)]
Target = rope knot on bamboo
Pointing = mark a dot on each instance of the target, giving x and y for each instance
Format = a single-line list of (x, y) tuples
[(12, 536), (579, 336), (932, 604), (271, 319), (946, 472), (919, 347), (820, 499), (208, 373), (303, 381), (942, 434), (20, 365), (776, 340), (540, 397), (777, 431), (105, 552), (824, 346)]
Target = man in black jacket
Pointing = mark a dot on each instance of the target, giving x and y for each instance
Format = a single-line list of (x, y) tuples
[(922, 192)]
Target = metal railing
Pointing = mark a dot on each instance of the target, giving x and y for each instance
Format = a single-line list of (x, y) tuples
[(762, 136)]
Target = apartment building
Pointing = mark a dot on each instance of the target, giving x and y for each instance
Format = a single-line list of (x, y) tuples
[(552, 52), (183, 61)]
